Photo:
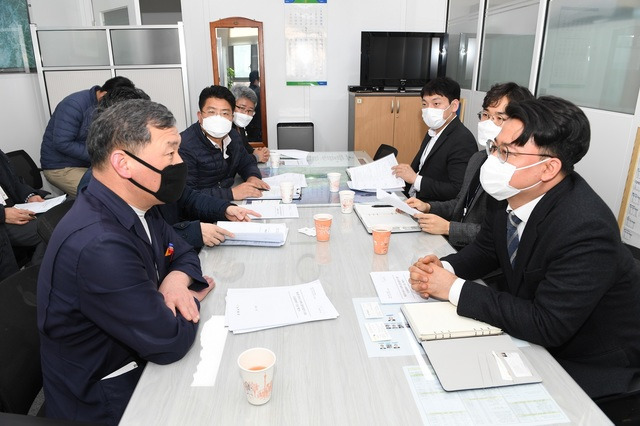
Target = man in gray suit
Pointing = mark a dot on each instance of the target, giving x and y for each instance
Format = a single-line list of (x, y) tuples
[(460, 217)]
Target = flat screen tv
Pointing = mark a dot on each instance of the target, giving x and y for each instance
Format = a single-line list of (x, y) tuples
[(401, 60)]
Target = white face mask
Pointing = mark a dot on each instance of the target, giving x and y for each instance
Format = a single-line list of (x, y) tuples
[(495, 177), (241, 119), (216, 125), (487, 129), (434, 117)]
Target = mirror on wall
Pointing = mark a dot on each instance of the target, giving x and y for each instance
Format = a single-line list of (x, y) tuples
[(237, 50)]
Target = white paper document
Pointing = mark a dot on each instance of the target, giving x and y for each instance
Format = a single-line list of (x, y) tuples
[(394, 287), (376, 174), (252, 309), (255, 234), (293, 153), (294, 162), (274, 193), (298, 180), (274, 211), (42, 206), (212, 340), (395, 201)]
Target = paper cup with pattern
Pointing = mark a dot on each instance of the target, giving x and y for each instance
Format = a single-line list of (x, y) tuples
[(323, 226), (256, 369)]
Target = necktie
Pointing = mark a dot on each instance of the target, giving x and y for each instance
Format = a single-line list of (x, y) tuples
[(512, 236)]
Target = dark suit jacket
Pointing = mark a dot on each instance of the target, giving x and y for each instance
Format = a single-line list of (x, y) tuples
[(444, 167), (574, 288), (464, 228)]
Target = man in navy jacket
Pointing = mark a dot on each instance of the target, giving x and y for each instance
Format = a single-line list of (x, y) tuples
[(117, 286), (212, 154), (63, 154)]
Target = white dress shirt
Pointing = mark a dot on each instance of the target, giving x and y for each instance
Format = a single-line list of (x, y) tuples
[(425, 153)]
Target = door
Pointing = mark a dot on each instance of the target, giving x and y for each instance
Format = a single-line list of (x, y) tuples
[(374, 117), (409, 129)]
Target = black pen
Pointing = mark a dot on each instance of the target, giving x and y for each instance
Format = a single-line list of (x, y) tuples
[(382, 205)]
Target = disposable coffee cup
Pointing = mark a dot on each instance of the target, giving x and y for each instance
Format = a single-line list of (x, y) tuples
[(256, 369), (323, 226), (274, 157), (286, 192), (334, 181), (346, 201), (381, 237)]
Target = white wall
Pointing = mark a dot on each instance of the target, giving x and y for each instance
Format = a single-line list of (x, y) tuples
[(325, 106)]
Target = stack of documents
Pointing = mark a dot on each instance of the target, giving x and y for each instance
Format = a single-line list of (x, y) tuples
[(274, 211), (255, 234), (42, 206), (252, 309), (298, 180), (372, 176), (293, 157)]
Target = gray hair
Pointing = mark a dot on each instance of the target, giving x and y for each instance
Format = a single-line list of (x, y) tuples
[(239, 91), (124, 126)]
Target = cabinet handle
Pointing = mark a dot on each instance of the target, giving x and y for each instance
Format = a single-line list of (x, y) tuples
[(391, 106), (398, 107)]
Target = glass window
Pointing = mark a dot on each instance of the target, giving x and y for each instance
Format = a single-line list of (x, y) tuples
[(16, 51), (591, 54), (462, 51), (73, 48), (155, 46), (509, 35)]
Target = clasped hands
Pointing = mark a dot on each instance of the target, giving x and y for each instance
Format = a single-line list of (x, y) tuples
[(177, 296), (428, 278)]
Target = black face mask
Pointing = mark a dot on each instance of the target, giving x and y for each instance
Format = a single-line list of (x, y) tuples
[(172, 180)]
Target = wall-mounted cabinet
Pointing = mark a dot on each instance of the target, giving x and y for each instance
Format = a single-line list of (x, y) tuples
[(391, 118)]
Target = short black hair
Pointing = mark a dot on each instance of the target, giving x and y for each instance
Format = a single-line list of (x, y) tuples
[(253, 76), (119, 94), (125, 126), (513, 92), (443, 86), (557, 126), (219, 92), (114, 82)]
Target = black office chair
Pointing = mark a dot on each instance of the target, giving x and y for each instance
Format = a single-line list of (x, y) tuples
[(26, 168), (47, 221), (20, 371), (384, 150)]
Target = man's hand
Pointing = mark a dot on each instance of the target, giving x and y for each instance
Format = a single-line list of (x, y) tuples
[(202, 293), (177, 296), (240, 214), (433, 224), (419, 205), (16, 216), (35, 199), (213, 235), (258, 183), (429, 278), (404, 172), (245, 190), (262, 154)]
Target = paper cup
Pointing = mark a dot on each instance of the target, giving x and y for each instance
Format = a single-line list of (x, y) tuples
[(323, 226), (381, 236), (256, 369), (334, 181), (346, 201), (274, 157), (286, 192)]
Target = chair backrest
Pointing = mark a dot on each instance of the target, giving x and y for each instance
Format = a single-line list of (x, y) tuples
[(295, 136), (20, 371), (384, 150), (26, 168), (47, 221)]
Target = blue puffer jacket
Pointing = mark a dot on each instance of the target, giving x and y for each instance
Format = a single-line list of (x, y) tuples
[(64, 140), (209, 172)]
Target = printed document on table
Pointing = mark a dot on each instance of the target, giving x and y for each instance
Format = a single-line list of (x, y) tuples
[(251, 309), (394, 287), (298, 154), (298, 180), (257, 234), (274, 193), (275, 211), (376, 174), (395, 201), (42, 206)]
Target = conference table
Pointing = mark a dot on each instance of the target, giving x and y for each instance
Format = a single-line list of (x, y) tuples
[(324, 374)]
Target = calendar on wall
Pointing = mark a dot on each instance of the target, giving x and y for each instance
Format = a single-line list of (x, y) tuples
[(305, 32)]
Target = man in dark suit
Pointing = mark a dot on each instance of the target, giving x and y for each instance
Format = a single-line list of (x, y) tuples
[(570, 284), (460, 218), (436, 172)]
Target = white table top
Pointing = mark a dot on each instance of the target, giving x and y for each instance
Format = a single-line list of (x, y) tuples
[(323, 374)]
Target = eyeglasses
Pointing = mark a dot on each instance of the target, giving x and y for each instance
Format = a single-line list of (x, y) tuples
[(497, 119), (503, 151), (243, 109), (225, 113)]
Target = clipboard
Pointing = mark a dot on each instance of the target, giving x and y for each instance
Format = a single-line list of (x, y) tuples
[(373, 215)]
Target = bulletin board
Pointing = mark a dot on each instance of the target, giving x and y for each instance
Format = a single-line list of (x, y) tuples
[(306, 42), (629, 217)]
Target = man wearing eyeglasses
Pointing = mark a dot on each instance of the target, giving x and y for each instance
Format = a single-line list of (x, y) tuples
[(246, 107), (213, 156), (459, 219), (571, 286)]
